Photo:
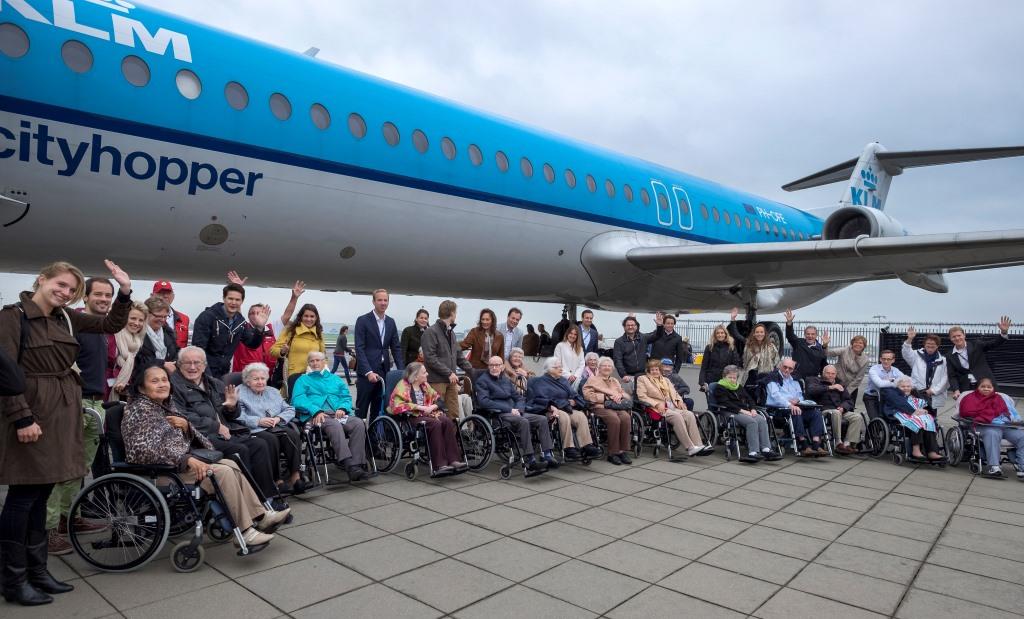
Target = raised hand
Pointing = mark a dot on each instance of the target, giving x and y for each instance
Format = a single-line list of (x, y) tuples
[(230, 396), (119, 276), (260, 316), (1004, 324), (825, 338), (234, 278), (911, 333), (789, 316), (298, 288), (659, 317), (734, 313)]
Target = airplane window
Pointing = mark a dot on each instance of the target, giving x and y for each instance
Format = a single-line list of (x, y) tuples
[(746, 220), (13, 41), (715, 215), (236, 94), (704, 211), (501, 159), (135, 71), (356, 126), (390, 133), (757, 226), (419, 141), (475, 155), (526, 167), (685, 207), (448, 148), (280, 106), (188, 84), (662, 202), (609, 188), (570, 178), (727, 217), (736, 218), (549, 173), (77, 56), (628, 192), (645, 197), (320, 116), (591, 184), (784, 234), (775, 229)]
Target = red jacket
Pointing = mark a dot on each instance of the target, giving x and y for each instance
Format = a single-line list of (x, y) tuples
[(244, 355), (981, 409), (180, 328)]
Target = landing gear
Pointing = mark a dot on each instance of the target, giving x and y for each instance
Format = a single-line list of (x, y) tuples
[(746, 326), (569, 309)]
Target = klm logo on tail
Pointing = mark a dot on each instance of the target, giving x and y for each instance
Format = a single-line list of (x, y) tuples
[(866, 195), (869, 178)]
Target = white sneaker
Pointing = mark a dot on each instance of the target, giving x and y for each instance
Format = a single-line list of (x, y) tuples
[(696, 449), (272, 518), (1020, 475), (255, 537)]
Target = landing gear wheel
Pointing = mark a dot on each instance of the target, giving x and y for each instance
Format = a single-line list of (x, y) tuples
[(187, 559), (505, 472), (410, 471)]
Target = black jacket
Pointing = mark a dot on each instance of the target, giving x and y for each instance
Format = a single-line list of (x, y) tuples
[(92, 362), (12, 379), (681, 387), (809, 359), (733, 401), (959, 375), (630, 356), (716, 358), (203, 405), (410, 343), (545, 391), (498, 394), (670, 346), (818, 390), (219, 336), (147, 354)]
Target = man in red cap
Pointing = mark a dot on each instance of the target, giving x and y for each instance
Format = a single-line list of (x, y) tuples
[(177, 320)]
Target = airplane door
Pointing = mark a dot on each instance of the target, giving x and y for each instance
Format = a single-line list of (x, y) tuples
[(683, 206), (662, 203)]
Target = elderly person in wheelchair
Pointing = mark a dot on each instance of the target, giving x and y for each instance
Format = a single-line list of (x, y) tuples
[(661, 398), (732, 398), (837, 402), (785, 393), (156, 433), (550, 394), (322, 399), (998, 421), (613, 406), (414, 396), (267, 415), (911, 412), (495, 392)]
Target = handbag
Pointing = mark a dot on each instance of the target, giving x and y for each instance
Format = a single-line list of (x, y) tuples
[(276, 379), (625, 405), (209, 456)]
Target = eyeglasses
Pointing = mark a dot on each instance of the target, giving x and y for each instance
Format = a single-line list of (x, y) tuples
[(788, 367), (192, 363)]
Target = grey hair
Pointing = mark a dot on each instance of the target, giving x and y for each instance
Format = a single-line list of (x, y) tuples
[(252, 368), (516, 349), (783, 360), (731, 369), (550, 362), (591, 355), (904, 379), (191, 349), (313, 353), (604, 361)]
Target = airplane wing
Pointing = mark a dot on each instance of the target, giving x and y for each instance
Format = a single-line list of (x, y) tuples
[(917, 260)]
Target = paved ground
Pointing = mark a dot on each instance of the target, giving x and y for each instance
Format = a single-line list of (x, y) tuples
[(825, 538)]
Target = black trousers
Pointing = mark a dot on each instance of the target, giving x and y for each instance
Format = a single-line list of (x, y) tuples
[(369, 396), (283, 440), (24, 511), (255, 456), (925, 440)]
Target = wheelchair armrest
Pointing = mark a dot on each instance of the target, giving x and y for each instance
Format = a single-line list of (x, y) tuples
[(144, 469)]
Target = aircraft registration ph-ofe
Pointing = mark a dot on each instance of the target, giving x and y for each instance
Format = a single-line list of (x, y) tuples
[(190, 150)]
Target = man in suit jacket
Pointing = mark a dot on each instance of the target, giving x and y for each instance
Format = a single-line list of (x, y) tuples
[(589, 332), (967, 360), (377, 345), (511, 332)]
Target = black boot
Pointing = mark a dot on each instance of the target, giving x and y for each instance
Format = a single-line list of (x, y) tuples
[(14, 577), (38, 576)]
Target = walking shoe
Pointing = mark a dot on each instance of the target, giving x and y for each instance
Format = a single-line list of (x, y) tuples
[(592, 450), (355, 473), (536, 466), (272, 519), (821, 451), (845, 449), (771, 456), (750, 458), (625, 458), (253, 537), (617, 461), (572, 454), (695, 450), (1020, 475), (81, 526), (707, 450), (993, 472), (57, 545), (551, 462), (443, 470), (807, 452)]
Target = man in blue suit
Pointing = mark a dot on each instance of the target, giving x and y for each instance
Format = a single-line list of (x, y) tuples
[(377, 345)]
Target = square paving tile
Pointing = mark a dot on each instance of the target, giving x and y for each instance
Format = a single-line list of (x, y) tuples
[(647, 476), (971, 587), (880, 596), (451, 502), (674, 541), (637, 561), (744, 496), (643, 508), (522, 602), (867, 487), (782, 477), (698, 486), (720, 587), (927, 605), (977, 563), (826, 513), (225, 557), (782, 542), (813, 469), (934, 505), (230, 601), (548, 505), (320, 579), (332, 534), (397, 517), (606, 522), (836, 499), (369, 602), (618, 484), (789, 603), (735, 511), (512, 558), (991, 515), (897, 526), (384, 557), (869, 562), (914, 514), (586, 585), (564, 538), (671, 496), (305, 512), (924, 492), (448, 584), (351, 500), (84, 603), (754, 562), (804, 526), (720, 477), (707, 524), (503, 519), (777, 489), (658, 601), (885, 543), (985, 544), (151, 584), (449, 536), (588, 495), (685, 467), (497, 491)]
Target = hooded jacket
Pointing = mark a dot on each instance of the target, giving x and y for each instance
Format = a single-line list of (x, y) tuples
[(219, 335)]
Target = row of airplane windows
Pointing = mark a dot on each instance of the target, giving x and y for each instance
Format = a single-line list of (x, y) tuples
[(77, 56)]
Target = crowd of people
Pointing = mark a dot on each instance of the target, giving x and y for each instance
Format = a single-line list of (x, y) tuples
[(242, 386)]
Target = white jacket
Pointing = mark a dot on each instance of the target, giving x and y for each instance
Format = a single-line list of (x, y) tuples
[(572, 363), (919, 370)]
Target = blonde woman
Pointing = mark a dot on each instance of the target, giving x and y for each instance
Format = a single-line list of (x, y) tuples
[(128, 341), (760, 354), (570, 352), (718, 354)]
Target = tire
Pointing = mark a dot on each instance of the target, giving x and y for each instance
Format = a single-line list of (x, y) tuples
[(637, 432), (975, 467), (878, 437), (954, 445), (897, 458), (216, 533), (774, 333), (477, 440), (385, 443), (505, 472), (185, 560), (708, 425), (410, 471), (137, 517)]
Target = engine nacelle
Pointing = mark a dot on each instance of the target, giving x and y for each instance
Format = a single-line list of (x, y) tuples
[(850, 222)]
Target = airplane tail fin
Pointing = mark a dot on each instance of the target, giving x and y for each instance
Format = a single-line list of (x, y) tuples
[(871, 174)]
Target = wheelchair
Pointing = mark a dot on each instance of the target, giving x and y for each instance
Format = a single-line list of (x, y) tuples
[(887, 435), (396, 437), (732, 437), (653, 430), (143, 506), (506, 443), (964, 443), (556, 437)]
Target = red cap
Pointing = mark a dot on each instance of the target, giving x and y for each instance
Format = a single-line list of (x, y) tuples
[(162, 285)]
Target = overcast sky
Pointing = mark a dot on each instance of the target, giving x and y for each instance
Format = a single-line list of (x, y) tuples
[(752, 95)]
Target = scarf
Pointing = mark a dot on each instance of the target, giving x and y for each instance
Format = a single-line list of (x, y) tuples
[(728, 384), (156, 338), (931, 362), (128, 344)]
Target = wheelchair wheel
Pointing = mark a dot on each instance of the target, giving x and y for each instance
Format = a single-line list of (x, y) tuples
[(385, 443), (505, 472), (878, 437), (137, 518), (708, 427), (410, 471), (217, 532), (637, 433), (477, 441), (955, 445), (975, 467), (185, 559)]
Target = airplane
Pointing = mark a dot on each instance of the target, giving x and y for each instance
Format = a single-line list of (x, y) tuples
[(191, 150)]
